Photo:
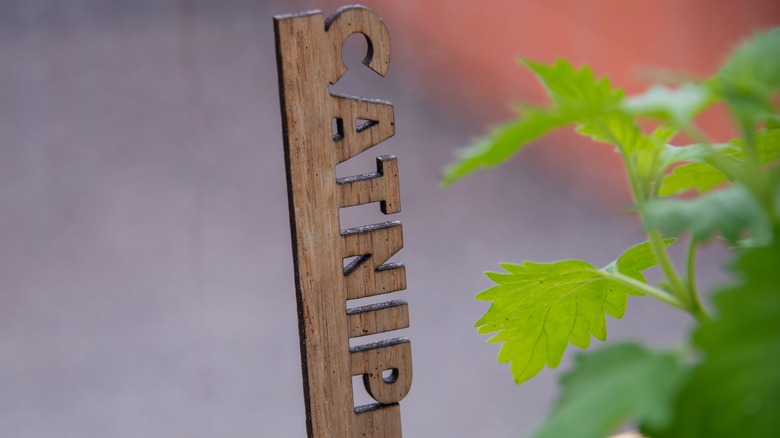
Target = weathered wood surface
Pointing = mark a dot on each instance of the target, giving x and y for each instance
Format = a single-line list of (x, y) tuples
[(309, 60)]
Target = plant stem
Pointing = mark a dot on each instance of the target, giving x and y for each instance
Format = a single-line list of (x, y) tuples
[(679, 295), (757, 180), (644, 288), (696, 309), (691, 264), (676, 284), (657, 241)]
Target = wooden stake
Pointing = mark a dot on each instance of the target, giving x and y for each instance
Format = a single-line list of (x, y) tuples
[(308, 50)]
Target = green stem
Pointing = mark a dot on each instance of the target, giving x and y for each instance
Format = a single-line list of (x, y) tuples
[(754, 177), (659, 178), (667, 267), (696, 309), (644, 288), (657, 241), (678, 297), (752, 161), (691, 266)]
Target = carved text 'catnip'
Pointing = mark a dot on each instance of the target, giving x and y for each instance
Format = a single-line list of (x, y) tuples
[(322, 129)]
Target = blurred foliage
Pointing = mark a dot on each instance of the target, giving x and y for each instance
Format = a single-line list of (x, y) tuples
[(724, 383)]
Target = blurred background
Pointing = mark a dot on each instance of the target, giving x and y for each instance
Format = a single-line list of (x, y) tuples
[(146, 285)]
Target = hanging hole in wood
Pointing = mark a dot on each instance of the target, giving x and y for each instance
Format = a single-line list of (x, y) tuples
[(390, 375)]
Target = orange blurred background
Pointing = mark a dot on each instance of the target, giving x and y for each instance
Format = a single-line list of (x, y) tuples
[(466, 54)]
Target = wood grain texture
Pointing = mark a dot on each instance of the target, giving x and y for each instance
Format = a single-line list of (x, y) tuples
[(309, 60), (378, 318)]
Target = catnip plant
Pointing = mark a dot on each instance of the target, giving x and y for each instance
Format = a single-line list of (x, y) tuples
[(726, 381)]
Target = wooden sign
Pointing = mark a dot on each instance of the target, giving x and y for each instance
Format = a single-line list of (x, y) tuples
[(322, 129)]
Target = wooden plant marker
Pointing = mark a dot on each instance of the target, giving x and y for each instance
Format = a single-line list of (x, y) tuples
[(321, 129)]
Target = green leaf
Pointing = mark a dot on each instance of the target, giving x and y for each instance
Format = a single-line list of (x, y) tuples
[(578, 97), (735, 390), (693, 176), (768, 145), (620, 130), (773, 121), (713, 165), (640, 149), (592, 103), (636, 259), (578, 91), (750, 78), (753, 69), (674, 106), (664, 133), (730, 212), (501, 143), (539, 308), (700, 153), (612, 386), (708, 167)]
